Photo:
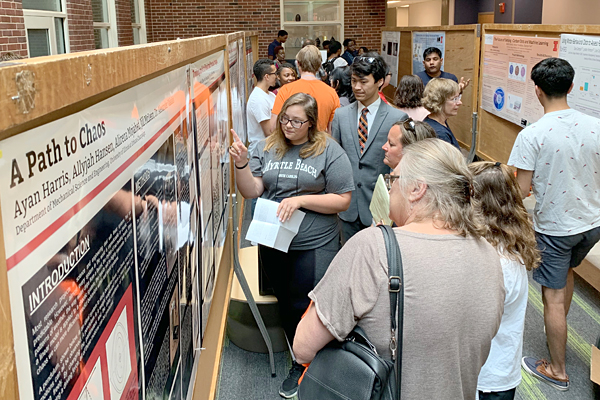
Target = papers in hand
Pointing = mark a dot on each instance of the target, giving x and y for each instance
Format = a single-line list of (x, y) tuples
[(380, 203), (266, 228)]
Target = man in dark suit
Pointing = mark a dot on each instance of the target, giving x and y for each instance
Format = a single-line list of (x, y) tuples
[(361, 128)]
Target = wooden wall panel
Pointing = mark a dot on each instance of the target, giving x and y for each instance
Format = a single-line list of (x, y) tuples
[(461, 58)]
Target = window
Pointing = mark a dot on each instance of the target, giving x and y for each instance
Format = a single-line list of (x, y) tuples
[(138, 21), (46, 27), (105, 23), (311, 19)]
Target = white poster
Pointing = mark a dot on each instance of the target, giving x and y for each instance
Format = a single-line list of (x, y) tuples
[(583, 52), (210, 108), (390, 50), (506, 86), (90, 217), (423, 40), (249, 66)]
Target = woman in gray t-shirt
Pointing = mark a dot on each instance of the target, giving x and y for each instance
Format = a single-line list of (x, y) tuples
[(452, 280), (301, 168)]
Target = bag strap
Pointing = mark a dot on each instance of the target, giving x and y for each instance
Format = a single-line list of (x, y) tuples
[(396, 289)]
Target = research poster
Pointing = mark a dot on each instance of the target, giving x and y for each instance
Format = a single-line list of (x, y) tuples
[(187, 217), (422, 41), (91, 212), (242, 89), (583, 53), (390, 50), (507, 89), (249, 66), (209, 103)]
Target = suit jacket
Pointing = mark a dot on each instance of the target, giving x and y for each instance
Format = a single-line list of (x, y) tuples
[(366, 167)]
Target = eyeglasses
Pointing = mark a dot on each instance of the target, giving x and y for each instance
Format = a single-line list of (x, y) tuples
[(295, 124), (456, 99), (389, 180), (369, 60)]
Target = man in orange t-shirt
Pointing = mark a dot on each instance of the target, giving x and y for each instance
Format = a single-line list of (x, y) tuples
[(309, 61)]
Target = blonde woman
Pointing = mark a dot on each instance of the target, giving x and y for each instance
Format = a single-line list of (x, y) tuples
[(508, 227), (442, 99), (300, 167), (452, 306)]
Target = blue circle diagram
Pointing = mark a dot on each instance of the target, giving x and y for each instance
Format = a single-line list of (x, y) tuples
[(511, 69), (499, 99)]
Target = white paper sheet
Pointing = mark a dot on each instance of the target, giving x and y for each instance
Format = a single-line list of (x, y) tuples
[(380, 203), (266, 229)]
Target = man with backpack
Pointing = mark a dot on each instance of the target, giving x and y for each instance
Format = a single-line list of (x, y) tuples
[(334, 58)]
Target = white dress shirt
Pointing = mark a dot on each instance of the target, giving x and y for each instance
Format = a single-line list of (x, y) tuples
[(370, 115)]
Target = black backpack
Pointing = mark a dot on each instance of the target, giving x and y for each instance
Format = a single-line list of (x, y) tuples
[(328, 66)]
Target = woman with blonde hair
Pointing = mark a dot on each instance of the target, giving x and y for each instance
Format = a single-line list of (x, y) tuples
[(442, 99), (301, 168), (508, 227), (452, 306)]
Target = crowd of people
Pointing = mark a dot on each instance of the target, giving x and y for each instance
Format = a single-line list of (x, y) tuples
[(320, 142)]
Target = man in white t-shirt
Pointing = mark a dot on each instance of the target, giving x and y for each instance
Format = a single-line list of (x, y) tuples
[(260, 102), (559, 156)]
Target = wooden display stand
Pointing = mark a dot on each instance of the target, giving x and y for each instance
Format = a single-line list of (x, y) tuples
[(61, 85), (461, 58)]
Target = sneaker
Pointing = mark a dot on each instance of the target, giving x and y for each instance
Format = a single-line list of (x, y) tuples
[(289, 387), (539, 369)]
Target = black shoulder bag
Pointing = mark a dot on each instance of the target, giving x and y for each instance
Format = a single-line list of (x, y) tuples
[(352, 369)]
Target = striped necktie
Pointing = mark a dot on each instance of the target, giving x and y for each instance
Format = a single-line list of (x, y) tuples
[(363, 129)]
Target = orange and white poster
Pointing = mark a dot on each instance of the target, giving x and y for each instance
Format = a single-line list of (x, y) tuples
[(507, 88)]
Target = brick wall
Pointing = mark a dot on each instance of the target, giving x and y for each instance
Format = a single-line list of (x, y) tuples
[(170, 19), (124, 29), (364, 20), (81, 28), (12, 28)]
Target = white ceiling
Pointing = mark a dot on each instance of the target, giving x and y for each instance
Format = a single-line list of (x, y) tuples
[(400, 3)]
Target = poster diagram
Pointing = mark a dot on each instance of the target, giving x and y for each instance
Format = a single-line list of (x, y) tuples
[(507, 89), (583, 53), (422, 41), (118, 360), (390, 48), (93, 389)]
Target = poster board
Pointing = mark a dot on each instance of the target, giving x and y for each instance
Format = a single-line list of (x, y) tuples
[(495, 135), (249, 66), (93, 264), (390, 49), (208, 76), (507, 89), (128, 230), (422, 41), (583, 53), (462, 44)]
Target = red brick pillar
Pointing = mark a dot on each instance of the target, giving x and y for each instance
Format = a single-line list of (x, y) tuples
[(81, 25), (12, 28)]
